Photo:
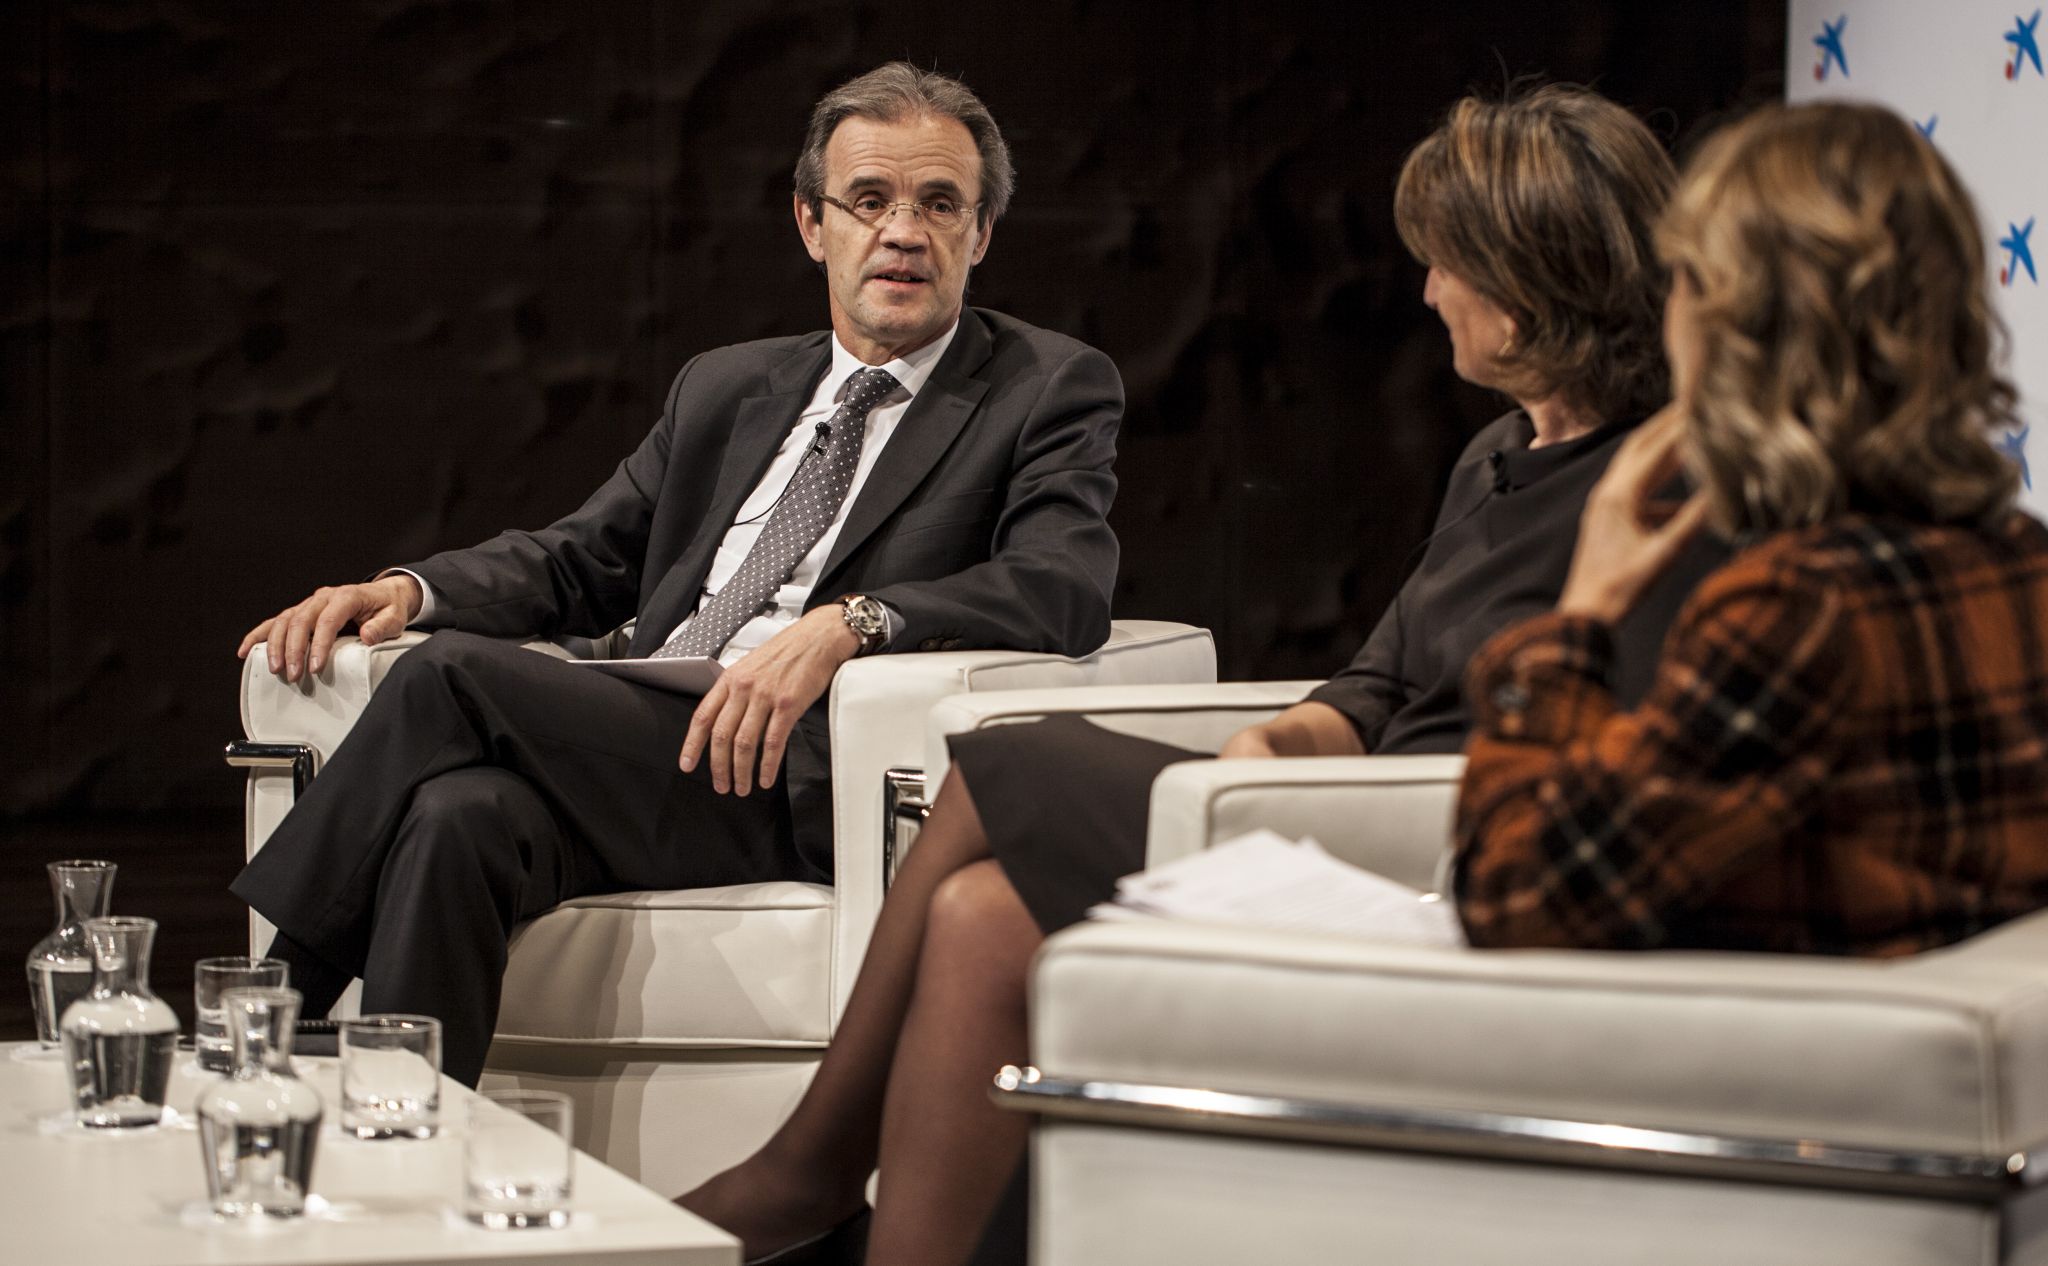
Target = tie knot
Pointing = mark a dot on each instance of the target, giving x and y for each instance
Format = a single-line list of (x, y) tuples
[(867, 386)]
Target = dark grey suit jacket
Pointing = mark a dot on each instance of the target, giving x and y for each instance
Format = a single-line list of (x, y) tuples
[(982, 524)]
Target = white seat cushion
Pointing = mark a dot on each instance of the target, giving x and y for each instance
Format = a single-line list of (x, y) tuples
[(739, 966)]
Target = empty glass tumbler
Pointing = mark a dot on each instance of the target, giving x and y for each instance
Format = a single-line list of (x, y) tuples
[(391, 1076), (119, 1038), (517, 1163), (211, 979), (258, 1129), (60, 965)]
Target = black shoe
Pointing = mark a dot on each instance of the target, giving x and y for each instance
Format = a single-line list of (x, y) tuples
[(843, 1245)]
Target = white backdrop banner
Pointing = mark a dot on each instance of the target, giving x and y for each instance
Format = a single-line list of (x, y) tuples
[(1969, 74)]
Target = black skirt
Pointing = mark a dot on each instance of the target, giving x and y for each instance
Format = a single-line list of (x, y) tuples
[(1064, 803)]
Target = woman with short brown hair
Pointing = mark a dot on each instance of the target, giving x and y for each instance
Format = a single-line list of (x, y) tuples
[(1545, 205)]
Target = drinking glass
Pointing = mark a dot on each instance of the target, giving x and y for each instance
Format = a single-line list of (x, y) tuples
[(516, 1171), (391, 1076), (210, 978)]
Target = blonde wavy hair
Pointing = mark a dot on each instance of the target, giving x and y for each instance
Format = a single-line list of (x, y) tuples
[(1546, 203), (1845, 327)]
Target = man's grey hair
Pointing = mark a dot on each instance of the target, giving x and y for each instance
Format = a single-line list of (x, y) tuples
[(898, 91)]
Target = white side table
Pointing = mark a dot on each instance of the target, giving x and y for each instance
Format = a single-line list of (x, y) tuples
[(70, 1195)]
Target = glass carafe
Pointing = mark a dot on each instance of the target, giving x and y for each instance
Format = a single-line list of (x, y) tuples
[(258, 1129), (60, 966), (119, 1038)]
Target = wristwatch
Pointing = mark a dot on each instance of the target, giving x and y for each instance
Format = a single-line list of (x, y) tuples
[(866, 618)]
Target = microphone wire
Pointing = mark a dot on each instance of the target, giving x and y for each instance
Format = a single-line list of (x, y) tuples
[(817, 449)]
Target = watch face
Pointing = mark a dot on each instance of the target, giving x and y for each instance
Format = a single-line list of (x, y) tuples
[(865, 616)]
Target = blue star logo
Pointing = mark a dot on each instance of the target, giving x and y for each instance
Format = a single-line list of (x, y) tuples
[(2026, 45), (1927, 129), (1829, 42), (2019, 253), (2014, 445)]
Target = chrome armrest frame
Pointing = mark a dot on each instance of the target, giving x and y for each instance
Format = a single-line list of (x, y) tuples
[(903, 811), (300, 758), (1539, 1140)]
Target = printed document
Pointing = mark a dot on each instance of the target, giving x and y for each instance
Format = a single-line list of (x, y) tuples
[(686, 675), (1269, 881)]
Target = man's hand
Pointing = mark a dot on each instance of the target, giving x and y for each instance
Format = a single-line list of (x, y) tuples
[(746, 718), (381, 608), (1626, 537)]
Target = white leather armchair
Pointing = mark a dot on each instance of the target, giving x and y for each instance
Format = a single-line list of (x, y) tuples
[(1212, 1095), (685, 1024), (1222, 1096)]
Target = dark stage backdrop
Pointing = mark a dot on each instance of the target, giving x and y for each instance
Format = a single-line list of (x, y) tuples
[(291, 291)]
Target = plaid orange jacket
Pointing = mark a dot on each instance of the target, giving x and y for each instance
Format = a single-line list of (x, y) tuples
[(1845, 751)]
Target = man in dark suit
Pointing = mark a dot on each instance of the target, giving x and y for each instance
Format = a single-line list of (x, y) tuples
[(925, 476)]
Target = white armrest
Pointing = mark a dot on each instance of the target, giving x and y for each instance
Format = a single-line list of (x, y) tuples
[(1388, 814), (1200, 717), (1942, 1052), (321, 708)]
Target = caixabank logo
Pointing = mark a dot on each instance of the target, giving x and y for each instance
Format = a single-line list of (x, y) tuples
[(1829, 46), (2025, 38), (2018, 245)]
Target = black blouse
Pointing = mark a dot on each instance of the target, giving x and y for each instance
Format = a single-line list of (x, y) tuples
[(1502, 545)]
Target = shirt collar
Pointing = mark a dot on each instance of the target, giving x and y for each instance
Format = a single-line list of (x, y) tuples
[(1522, 465), (911, 370)]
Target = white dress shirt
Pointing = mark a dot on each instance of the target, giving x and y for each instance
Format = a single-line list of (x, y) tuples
[(911, 371)]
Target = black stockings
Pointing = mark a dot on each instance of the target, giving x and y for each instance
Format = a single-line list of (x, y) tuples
[(937, 1009)]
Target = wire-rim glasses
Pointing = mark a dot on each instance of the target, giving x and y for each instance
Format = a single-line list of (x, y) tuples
[(945, 215)]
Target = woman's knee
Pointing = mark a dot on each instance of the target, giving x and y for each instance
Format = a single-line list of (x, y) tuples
[(976, 915)]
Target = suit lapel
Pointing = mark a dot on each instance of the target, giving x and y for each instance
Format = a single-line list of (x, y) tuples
[(927, 430), (760, 424)]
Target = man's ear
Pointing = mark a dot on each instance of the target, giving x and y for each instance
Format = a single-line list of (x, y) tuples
[(810, 229), (981, 246)]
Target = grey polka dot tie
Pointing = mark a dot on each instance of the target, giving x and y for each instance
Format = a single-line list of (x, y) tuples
[(807, 508)]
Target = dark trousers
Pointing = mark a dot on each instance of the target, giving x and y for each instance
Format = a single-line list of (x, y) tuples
[(482, 785)]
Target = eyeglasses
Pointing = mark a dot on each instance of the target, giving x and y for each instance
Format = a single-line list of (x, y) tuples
[(943, 214)]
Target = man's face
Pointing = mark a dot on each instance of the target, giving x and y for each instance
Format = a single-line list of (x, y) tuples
[(897, 285)]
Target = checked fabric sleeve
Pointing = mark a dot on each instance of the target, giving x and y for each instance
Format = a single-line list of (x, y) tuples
[(1842, 753), (1582, 826), (807, 507)]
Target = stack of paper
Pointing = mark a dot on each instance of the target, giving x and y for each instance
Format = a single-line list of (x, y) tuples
[(683, 675), (1266, 880)]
